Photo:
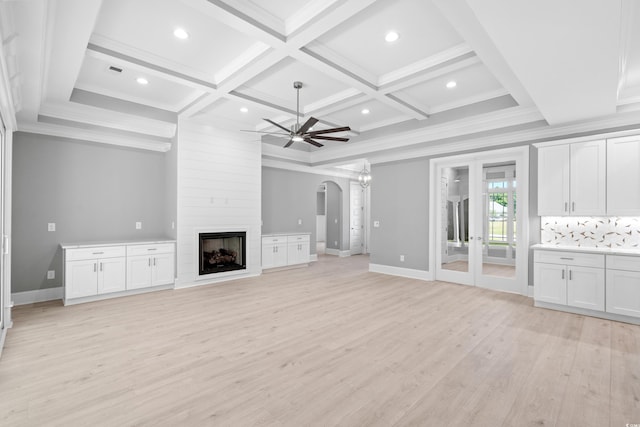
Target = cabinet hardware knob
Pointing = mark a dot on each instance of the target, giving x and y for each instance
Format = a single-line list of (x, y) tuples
[(152, 249), (566, 206), (569, 259), (573, 206), (570, 275), (563, 274), (95, 267), (98, 253)]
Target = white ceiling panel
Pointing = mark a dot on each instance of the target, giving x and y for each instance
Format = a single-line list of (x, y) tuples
[(378, 115), (361, 40), (275, 85), (95, 76), (472, 84), (148, 25)]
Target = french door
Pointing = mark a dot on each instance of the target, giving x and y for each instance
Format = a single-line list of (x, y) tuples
[(481, 220)]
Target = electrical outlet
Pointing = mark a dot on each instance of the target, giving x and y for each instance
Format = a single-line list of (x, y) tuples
[(138, 225), (51, 274), (401, 258), (335, 220), (299, 221), (335, 243), (51, 226), (376, 224), (173, 225)]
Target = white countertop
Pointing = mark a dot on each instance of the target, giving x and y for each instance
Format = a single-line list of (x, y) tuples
[(583, 249), (287, 234), (79, 245)]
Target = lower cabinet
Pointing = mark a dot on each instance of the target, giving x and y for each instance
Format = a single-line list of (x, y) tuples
[(600, 283), (572, 279), (149, 265), (284, 250), (97, 271), (623, 285)]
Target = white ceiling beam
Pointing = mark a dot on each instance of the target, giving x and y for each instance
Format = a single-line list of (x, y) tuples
[(463, 19), (69, 28)]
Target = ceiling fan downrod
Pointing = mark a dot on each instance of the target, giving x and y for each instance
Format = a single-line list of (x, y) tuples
[(297, 86)]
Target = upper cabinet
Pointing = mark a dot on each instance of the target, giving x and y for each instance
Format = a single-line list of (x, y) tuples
[(572, 179), (623, 176)]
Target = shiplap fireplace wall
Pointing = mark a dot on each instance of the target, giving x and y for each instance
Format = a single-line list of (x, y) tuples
[(219, 175)]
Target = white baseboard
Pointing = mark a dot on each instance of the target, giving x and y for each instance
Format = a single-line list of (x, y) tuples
[(39, 295), (313, 257), (337, 252), (399, 271), (214, 281), (530, 291)]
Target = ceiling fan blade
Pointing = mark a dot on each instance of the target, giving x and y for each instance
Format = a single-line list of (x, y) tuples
[(288, 144), (312, 142), (268, 133), (329, 138), (318, 132), (307, 125), (275, 124)]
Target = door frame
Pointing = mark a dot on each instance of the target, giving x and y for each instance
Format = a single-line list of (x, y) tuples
[(521, 156)]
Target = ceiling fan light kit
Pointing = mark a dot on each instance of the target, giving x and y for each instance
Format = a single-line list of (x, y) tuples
[(304, 133)]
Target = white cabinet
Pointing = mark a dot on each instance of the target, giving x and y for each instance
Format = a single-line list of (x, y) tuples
[(572, 279), (623, 176), (571, 179), (285, 249), (298, 249), (94, 271), (150, 265), (274, 251), (623, 285)]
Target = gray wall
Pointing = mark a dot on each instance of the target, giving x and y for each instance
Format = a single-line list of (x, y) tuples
[(288, 196), (334, 215), (92, 192), (400, 201)]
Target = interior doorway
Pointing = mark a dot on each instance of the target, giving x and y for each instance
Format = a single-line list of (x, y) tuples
[(321, 219), (482, 220)]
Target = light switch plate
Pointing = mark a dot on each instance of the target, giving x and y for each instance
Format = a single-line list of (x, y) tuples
[(138, 225), (51, 226), (376, 224), (51, 274), (299, 221)]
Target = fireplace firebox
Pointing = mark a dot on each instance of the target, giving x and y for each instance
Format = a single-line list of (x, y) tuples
[(222, 252)]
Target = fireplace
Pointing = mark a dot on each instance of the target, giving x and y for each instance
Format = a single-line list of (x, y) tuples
[(221, 252)]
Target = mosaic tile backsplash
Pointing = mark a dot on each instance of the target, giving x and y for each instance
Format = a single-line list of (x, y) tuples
[(593, 232)]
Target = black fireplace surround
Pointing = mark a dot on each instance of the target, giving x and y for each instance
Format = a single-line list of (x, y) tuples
[(222, 252)]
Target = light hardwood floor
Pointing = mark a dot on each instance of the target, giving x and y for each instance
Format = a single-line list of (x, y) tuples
[(331, 344)]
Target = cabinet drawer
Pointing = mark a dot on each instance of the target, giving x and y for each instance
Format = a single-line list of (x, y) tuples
[(94, 253), (274, 240), (569, 258), (623, 262), (299, 238), (162, 248)]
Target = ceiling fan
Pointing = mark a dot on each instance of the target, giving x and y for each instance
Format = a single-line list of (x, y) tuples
[(304, 133)]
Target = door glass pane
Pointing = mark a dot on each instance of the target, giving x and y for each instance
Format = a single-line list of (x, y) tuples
[(455, 218), (499, 220)]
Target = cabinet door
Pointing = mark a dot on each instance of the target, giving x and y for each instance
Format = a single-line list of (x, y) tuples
[(111, 275), (138, 272), (280, 255), (81, 279), (623, 176), (553, 180), (304, 255), (585, 288), (588, 178), (550, 283), (162, 272), (623, 292), (268, 255)]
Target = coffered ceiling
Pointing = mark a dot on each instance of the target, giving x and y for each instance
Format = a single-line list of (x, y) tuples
[(522, 70)]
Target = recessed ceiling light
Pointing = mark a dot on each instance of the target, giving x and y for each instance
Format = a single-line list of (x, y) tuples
[(244, 110), (181, 34), (365, 111), (142, 81), (451, 84), (391, 36)]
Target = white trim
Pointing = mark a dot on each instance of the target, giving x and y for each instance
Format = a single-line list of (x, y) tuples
[(401, 272), (626, 133), (530, 291), (313, 257), (212, 281), (87, 114), (38, 295), (337, 252), (93, 136), (101, 297), (587, 312), (277, 164)]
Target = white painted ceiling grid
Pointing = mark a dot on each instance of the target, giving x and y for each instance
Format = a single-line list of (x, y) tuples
[(553, 65)]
